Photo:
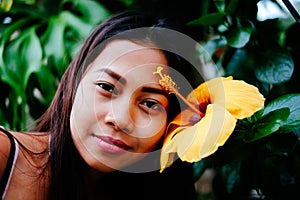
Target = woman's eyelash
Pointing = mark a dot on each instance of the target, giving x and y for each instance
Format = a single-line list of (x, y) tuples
[(152, 105), (107, 87)]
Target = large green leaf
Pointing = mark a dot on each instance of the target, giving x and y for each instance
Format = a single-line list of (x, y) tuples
[(268, 124), (22, 57), (291, 101), (274, 67)]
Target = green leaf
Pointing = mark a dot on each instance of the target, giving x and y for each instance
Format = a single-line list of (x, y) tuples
[(76, 23), (53, 40), (22, 57), (6, 5), (231, 175), (199, 168), (91, 12), (232, 6), (297, 132), (239, 36), (209, 20), (14, 28), (291, 101), (268, 124), (31, 55), (220, 4), (274, 67), (47, 84)]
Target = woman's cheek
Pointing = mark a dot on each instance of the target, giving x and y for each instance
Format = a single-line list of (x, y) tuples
[(147, 144)]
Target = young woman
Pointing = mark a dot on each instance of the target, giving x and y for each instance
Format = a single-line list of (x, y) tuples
[(101, 136)]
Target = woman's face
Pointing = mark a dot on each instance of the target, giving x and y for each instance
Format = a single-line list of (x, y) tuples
[(120, 110)]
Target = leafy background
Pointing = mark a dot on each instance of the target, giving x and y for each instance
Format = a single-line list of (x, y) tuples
[(261, 160)]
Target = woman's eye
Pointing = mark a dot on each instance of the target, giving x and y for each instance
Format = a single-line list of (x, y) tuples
[(108, 87), (152, 105)]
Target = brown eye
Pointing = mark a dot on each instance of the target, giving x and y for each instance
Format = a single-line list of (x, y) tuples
[(108, 87), (153, 105)]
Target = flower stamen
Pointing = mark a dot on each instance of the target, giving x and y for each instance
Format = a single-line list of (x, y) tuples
[(170, 86)]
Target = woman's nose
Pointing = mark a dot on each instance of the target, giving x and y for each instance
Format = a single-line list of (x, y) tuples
[(120, 117)]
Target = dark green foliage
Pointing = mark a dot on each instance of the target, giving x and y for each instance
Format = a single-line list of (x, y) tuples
[(262, 154)]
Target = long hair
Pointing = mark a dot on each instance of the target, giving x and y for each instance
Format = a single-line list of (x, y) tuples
[(66, 165)]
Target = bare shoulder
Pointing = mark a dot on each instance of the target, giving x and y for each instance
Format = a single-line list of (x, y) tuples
[(4, 151)]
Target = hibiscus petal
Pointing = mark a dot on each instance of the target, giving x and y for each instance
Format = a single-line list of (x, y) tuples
[(238, 97), (200, 140)]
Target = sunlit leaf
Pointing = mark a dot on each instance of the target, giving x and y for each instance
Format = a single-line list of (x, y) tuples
[(6, 5)]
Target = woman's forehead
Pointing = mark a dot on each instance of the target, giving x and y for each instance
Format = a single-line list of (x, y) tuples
[(123, 49), (124, 56)]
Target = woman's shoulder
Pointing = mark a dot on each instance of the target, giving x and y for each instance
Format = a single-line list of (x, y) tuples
[(33, 141), (5, 146)]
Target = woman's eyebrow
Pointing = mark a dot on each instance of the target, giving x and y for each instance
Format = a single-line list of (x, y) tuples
[(155, 90), (114, 75)]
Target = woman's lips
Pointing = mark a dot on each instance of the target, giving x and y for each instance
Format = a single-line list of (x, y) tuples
[(111, 145)]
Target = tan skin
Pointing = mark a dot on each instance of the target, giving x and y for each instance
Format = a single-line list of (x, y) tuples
[(100, 132), (25, 182)]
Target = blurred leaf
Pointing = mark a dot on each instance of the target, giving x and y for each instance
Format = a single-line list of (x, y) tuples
[(91, 12), (76, 23), (6, 5), (22, 57), (53, 40), (274, 67), (268, 124), (232, 7), (220, 4), (231, 175), (47, 84), (234, 60), (297, 132), (209, 19), (31, 52), (239, 36), (199, 168)]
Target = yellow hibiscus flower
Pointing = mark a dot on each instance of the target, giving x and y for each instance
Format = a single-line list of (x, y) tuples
[(221, 102)]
